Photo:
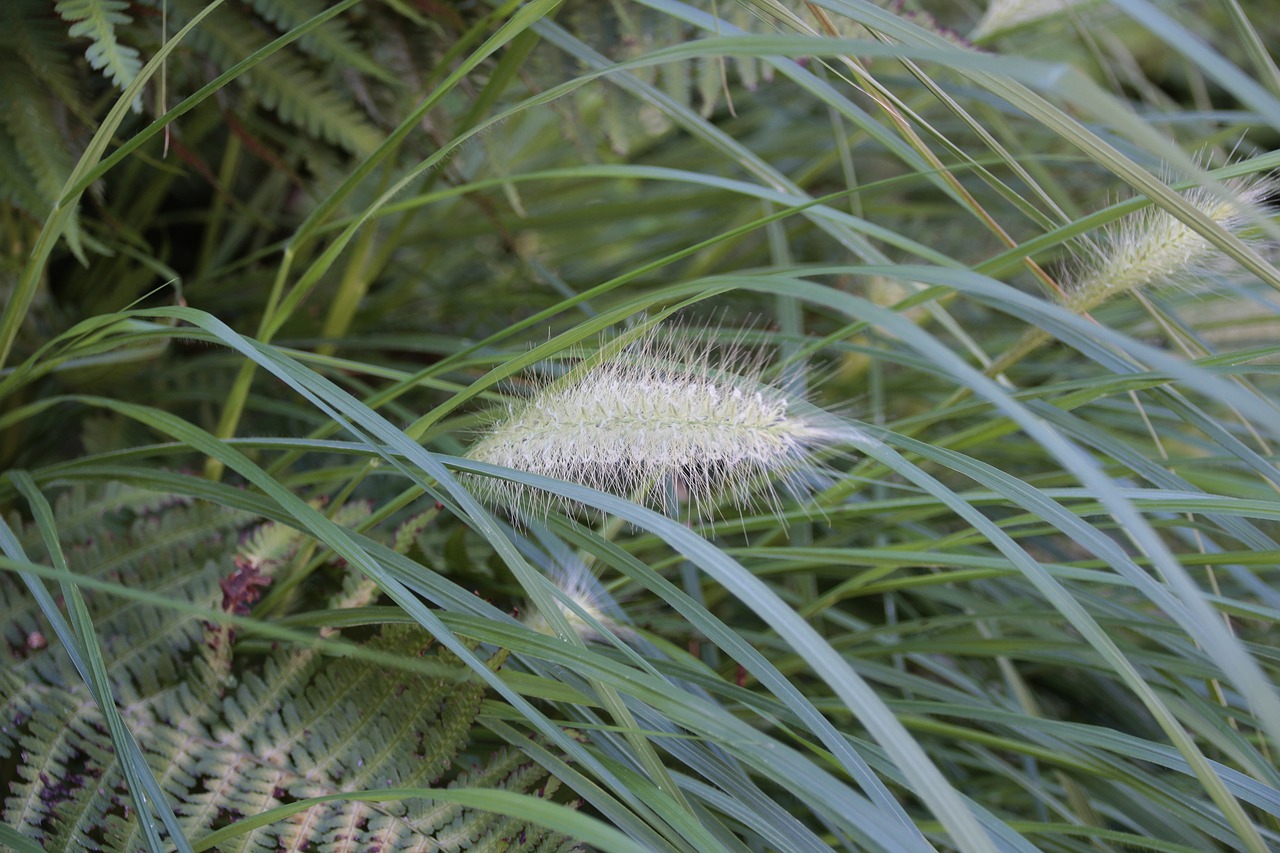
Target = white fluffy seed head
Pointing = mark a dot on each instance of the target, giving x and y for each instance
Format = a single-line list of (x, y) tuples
[(663, 421), (1153, 247), (581, 587)]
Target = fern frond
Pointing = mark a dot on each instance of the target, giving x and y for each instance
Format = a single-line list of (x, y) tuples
[(499, 835), (15, 188), (269, 544), (284, 84), (176, 742), (110, 534), (510, 770), (65, 736), (334, 42), (303, 99), (229, 734), (83, 514), (626, 32), (181, 553), (94, 811), (145, 644), (38, 131), (555, 843), (407, 533), (97, 20), (357, 591), (39, 40)]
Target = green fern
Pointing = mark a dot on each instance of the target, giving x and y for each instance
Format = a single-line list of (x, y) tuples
[(333, 42), (97, 20), (34, 129), (15, 186), (284, 83), (40, 41), (36, 111), (626, 31), (228, 733)]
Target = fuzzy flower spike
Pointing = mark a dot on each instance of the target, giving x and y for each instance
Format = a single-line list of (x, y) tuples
[(1153, 247), (581, 587), (663, 420)]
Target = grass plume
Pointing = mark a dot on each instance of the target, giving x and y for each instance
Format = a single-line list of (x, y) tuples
[(663, 421), (1153, 247), (580, 586), (1148, 249)]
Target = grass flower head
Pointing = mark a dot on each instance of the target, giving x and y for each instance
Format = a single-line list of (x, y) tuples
[(580, 586), (1153, 247), (663, 421)]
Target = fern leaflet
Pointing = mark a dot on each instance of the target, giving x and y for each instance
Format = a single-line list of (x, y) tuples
[(97, 20)]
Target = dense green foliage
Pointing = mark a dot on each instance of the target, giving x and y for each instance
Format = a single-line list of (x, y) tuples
[(230, 736), (273, 266)]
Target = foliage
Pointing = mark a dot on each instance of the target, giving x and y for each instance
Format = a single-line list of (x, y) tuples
[(97, 20), (293, 280), (229, 732)]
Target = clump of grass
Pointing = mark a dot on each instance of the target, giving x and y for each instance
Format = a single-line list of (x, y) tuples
[(665, 421), (1030, 610)]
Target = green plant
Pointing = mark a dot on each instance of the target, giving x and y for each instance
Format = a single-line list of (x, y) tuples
[(1031, 609), (232, 733)]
